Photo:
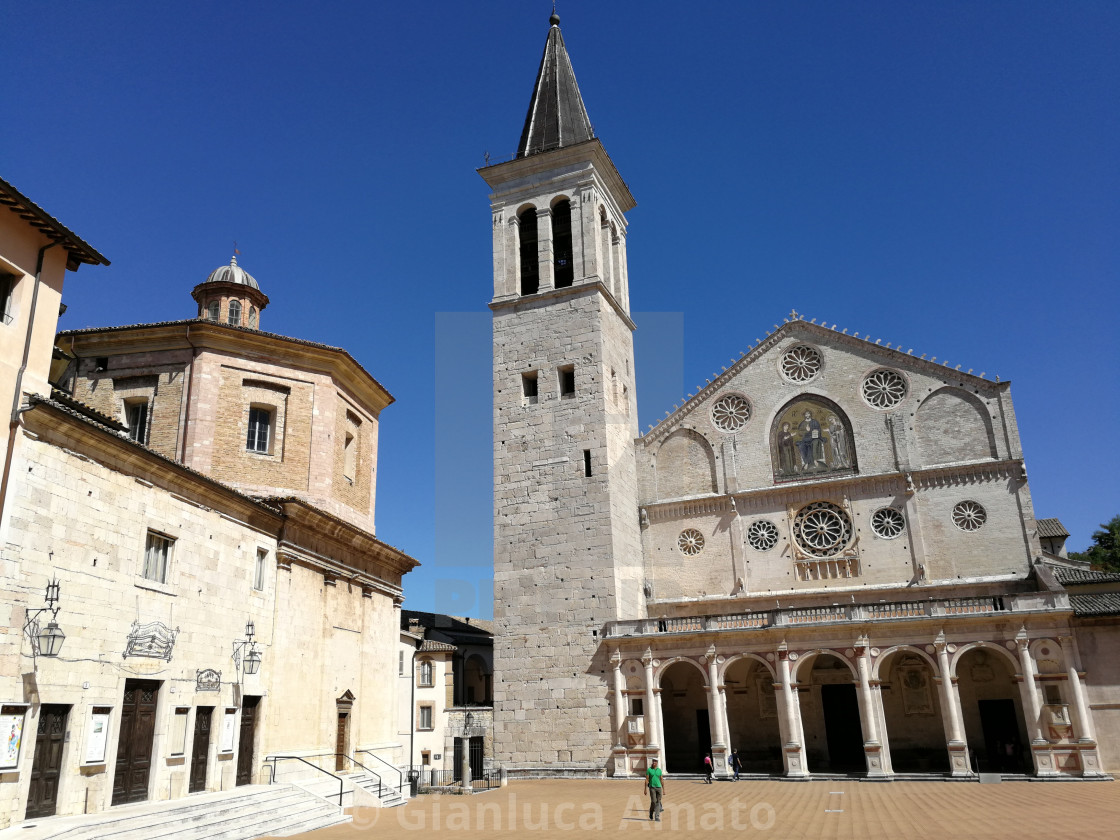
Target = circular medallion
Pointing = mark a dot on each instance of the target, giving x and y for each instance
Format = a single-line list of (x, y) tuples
[(887, 523), (762, 535), (801, 363), (690, 542), (883, 389), (822, 529), (969, 516), (731, 412)]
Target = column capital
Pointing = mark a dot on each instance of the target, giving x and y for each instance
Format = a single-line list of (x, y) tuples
[(647, 658)]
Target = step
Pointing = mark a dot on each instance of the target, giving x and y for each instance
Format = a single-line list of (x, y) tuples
[(278, 810), (186, 815)]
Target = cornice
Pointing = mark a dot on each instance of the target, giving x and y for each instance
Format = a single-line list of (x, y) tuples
[(673, 419), (235, 341), (549, 296)]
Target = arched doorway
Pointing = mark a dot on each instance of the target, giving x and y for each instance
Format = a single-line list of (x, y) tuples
[(993, 712), (476, 682), (752, 716), (912, 709), (684, 705), (830, 716)]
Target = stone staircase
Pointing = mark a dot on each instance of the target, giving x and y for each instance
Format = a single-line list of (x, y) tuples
[(357, 789), (245, 814), (389, 796)]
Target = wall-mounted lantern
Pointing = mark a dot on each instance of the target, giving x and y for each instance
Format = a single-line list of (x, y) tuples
[(46, 641), (252, 655)]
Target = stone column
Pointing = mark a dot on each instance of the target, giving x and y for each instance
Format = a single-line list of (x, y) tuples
[(624, 274), (715, 716), (545, 250), (588, 259), (651, 716), (1032, 709), (621, 762), (868, 714), (605, 262), (1086, 737), (513, 255), (1082, 724), (951, 713), (659, 723), (794, 748)]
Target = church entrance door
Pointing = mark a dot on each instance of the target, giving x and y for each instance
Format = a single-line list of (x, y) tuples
[(42, 796), (134, 746)]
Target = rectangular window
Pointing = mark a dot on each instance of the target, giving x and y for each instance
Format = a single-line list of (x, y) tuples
[(426, 758), (425, 717), (567, 375), (157, 557), (136, 416), (529, 387), (636, 706), (7, 290), (258, 569), (587, 462), (260, 428), (400, 663)]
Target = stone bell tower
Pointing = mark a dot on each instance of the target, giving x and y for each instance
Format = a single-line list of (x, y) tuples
[(567, 547)]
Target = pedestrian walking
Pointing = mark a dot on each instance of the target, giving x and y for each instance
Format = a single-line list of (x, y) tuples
[(736, 764), (655, 787), (708, 767)]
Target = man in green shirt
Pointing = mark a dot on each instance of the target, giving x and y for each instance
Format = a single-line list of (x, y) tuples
[(655, 786)]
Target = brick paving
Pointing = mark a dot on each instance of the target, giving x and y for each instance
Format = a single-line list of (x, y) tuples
[(762, 809)]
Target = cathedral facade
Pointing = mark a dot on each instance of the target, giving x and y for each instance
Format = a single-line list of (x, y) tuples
[(825, 561)]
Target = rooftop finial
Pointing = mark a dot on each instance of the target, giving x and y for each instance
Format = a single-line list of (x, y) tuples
[(554, 19)]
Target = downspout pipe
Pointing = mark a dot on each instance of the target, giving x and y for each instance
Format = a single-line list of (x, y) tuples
[(13, 422)]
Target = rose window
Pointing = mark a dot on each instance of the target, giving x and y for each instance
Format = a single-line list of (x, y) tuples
[(801, 363), (822, 529), (690, 542), (969, 516), (887, 523), (762, 535), (884, 389), (731, 413)]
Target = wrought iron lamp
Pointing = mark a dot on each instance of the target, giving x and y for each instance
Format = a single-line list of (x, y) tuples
[(252, 659), (48, 640)]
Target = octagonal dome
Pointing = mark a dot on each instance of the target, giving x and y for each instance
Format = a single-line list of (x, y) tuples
[(232, 273)]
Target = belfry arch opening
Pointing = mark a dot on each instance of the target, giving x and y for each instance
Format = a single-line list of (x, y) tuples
[(562, 243), (527, 241), (912, 711), (684, 709), (752, 716)]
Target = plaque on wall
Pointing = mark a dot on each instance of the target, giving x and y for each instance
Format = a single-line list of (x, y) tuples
[(913, 678), (208, 680), (11, 727), (154, 640), (97, 734)]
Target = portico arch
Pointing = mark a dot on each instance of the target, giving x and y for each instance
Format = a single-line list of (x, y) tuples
[(994, 725), (912, 711), (752, 713), (830, 713), (684, 709)]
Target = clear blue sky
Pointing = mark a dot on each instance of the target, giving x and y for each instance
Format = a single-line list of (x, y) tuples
[(941, 175)]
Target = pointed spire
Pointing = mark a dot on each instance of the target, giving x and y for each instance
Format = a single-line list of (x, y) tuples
[(557, 116)]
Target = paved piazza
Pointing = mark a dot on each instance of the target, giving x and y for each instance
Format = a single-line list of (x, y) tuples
[(847, 809)]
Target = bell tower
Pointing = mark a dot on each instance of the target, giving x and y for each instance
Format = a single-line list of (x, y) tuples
[(567, 547)]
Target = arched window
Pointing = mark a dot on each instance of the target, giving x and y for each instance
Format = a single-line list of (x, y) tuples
[(234, 313), (562, 243), (530, 270), (213, 311), (426, 678), (252, 317)]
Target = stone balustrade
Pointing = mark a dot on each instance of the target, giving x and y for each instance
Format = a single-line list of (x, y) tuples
[(1025, 602)]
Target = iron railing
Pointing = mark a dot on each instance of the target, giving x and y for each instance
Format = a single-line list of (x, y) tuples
[(341, 783), (397, 770)]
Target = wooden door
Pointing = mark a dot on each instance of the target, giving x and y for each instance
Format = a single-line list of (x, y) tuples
[(134, 745), (46, 768), (245, 741), (342, 741), (200, 751)]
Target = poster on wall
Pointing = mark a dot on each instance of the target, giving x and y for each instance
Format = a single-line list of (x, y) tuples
[(230, 718), (11, 727), (97, 735)]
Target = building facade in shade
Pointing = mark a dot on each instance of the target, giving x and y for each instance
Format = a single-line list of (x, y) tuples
[(446, 724), (826, 560), (202, 493)]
